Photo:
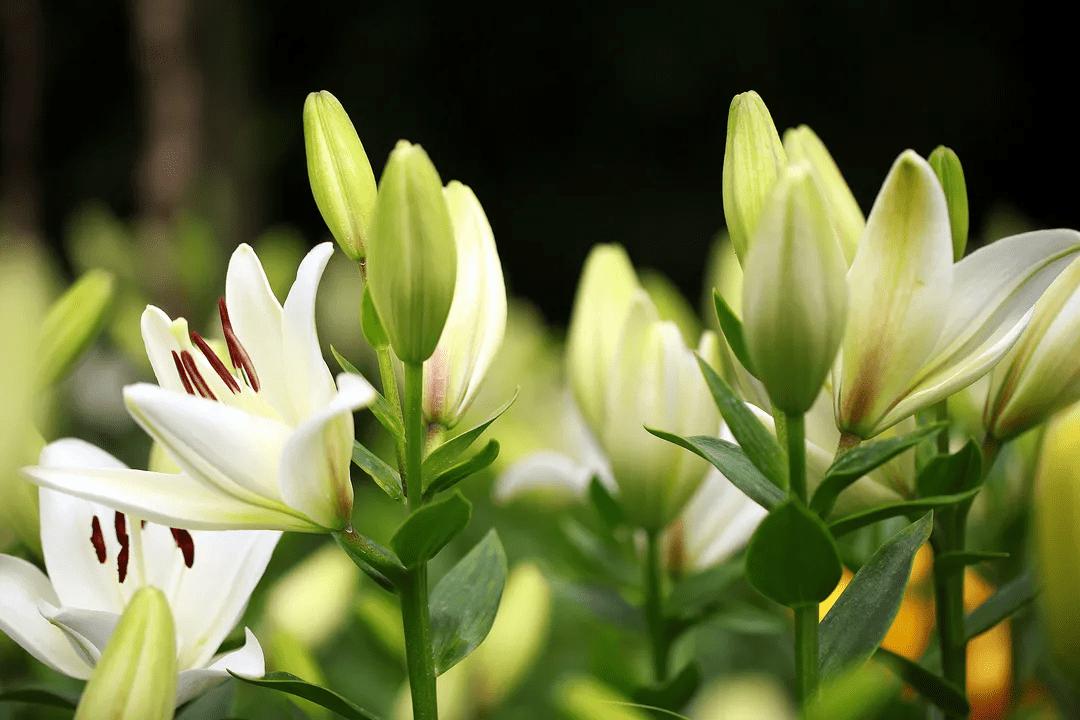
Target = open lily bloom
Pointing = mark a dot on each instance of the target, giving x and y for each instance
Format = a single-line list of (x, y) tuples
[(919, 327), (266, 444), (97, 559)]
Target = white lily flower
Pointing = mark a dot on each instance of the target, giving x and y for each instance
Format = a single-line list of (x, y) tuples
[(267, 444), (919, 327), (98, 558)]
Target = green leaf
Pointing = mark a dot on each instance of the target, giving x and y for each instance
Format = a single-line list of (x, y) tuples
[(754, 438), (39, 696), (731, 326), (383, 475), (858, 461), (292, 685), (850, 523), (951, 474), (956, 559), (375, 561), (426, 531), (792, 559), (72, 323), (730, 459), (464, 602), (456, 473), (696, 595), (442, 457), (861, 617), (381, 408), (673, 693), (1011, 597), (370, 324), (934, 688), (606, 506), (612, 566)]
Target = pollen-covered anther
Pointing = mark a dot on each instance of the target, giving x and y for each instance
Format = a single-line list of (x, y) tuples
[(97, 539), (186, 545), (237, 353), (120, 526), (196, 377), (215, 362), (182, 373)]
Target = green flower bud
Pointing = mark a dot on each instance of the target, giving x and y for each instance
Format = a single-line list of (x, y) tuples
[(947, 167), (802, 144), (753, 159), (795, 296), (72, 324), (135, 678), (412, 259), (603, 297), (340, 174)]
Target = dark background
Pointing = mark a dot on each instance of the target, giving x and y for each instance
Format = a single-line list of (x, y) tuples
[(574, 124)]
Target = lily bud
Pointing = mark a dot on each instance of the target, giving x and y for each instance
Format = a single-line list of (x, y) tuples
[(753, 158), (340, 174), (477, 320), (135, 679), (950, 173), (802, 144), (1057, 537), (655, 381), (607, 284), (1040, 375), (72, 324), (412, 259), (795, 295)]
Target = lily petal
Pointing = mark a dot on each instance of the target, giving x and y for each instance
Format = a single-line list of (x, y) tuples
[(311, 385), (718, 521), (25, 589), (87, 630), (543, 469), (247, 661), (314, 471), (158, 337)]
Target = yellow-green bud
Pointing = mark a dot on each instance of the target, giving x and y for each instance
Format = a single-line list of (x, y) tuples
[(340, 174), (802, 144), (753, 158), (135, 678), (72, 324), (412, 259), (795, 296), (950, 173), (1057, 538)]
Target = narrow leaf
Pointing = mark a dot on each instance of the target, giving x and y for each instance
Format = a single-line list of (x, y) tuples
[(383, 475), (692, 594), (39, 696), (754, 438), (426, 531), (857, 462), (456, 473), (934, 688), (381, 408), (292, 685), (375, 561), (370, 324), (465, 601), (850, 523), (1011, 597), (731, 326), (730, 459), (792, 559), (606, 506), (951, 474), (675, 692), (957, 559), (864, 612), (442, 457)]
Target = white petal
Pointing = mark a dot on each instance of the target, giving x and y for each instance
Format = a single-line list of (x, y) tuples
[(718, 521), (24, 589), (223, 446), (160, 343), (257, 317), (543, 469), (309, 380), (87, 630), (315, 462), (247, 661)]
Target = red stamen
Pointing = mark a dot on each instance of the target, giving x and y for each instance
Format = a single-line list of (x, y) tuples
[(215, 362), (186, 545), (237, 353), (182, 373), (196, 377), (97, 539), (120, 525)]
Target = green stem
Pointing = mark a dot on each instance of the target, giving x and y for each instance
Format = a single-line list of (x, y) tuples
[(806, 653), (413, 590), (942, 412), (654, 607), (796, 451)]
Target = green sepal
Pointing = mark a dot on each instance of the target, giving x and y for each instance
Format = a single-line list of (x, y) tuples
[(381, 408), (934, 688), (754, 438), (292, 685), (956, 559), (39, 696), (732, 327), (607, 507), (1009, 599), (465, 601), (731, 460), (792, 558), (370, 325), (456, 473), (384, 476), (427, 530), (950, 173), (441, 458), (675, 692), (850, 523), (858, 461), (862, 615), (951, 474)]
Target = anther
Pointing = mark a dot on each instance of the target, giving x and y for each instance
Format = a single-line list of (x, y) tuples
[(215, 362), (186, 545), (97, 539), (237, 353), (120, 525), (182, 373), (196, 377)]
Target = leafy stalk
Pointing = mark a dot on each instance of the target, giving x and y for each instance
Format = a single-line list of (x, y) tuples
[(654, 608), (806, 616)]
